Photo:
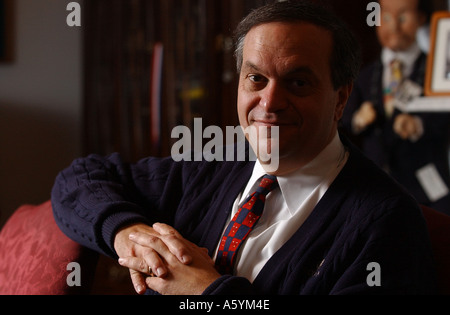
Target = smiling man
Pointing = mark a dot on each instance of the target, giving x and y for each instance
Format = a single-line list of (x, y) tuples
[(285, 81), (312, 226)]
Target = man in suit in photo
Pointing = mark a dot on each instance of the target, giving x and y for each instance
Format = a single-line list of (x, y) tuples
[(412, 147)]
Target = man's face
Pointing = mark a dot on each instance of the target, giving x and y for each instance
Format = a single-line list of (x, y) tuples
[(400, 20), (285, 81)]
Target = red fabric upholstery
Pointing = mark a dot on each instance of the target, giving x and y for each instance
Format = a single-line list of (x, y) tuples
[(34, 254), (439, 228)]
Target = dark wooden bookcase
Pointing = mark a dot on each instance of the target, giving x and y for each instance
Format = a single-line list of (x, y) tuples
[(122, 56)]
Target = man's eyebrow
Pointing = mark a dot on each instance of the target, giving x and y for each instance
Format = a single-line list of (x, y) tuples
[(298, 70), (301, 70), (251, 65)]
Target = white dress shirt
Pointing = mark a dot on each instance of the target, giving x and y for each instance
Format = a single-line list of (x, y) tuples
[(286, 208), (407, 58)]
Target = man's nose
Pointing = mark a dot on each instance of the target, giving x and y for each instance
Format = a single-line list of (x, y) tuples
[(273, 97)]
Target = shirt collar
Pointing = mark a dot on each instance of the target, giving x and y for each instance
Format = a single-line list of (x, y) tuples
[(298, 185), (407, 57)]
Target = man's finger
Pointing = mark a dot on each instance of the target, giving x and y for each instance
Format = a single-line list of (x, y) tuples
[(150, 265), (156, 284), (165, 229), (172, 242), (138, 281), (175, 241)]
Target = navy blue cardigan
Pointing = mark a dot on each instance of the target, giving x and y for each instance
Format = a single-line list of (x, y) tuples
[(364, 217)]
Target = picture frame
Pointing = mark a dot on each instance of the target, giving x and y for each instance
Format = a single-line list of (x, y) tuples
[(437, 79), (6, 31)]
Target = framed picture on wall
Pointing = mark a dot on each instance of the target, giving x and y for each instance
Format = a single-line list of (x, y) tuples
[(6, 30), (437, 81)]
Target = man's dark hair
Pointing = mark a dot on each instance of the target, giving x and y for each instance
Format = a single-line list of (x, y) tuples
[(345, 59)]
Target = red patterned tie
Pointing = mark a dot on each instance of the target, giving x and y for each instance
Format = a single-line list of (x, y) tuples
[(242, 223)]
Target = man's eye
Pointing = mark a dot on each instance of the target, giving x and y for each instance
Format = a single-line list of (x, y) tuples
[(298, 83), (256, 78), (387, 17), (403, 18)]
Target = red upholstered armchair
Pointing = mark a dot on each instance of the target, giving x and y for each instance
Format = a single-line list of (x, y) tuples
[(34, 255), (34, 258)]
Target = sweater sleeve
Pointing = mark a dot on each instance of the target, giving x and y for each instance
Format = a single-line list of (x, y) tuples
[(96, 196)]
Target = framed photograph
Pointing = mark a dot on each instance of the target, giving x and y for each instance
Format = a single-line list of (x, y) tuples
[(6, 31), (437, 81)]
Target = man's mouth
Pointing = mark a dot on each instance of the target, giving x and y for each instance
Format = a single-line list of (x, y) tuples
[(270, 123)]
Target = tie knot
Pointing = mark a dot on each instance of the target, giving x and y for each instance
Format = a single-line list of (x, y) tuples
[(267, 184), (396, 67)]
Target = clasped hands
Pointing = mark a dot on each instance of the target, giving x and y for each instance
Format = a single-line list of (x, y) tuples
[(159, 258), (406, 126)]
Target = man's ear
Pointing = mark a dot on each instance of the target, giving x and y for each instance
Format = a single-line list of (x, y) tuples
[(342, 98)]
